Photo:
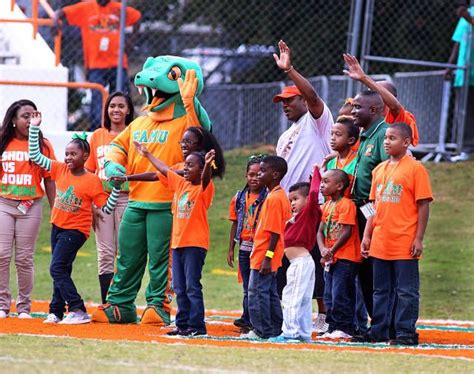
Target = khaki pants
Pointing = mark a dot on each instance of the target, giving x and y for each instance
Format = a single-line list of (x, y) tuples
[(106, 236), (21, 231)]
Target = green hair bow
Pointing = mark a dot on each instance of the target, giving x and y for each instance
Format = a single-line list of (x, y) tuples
[(82, 136)]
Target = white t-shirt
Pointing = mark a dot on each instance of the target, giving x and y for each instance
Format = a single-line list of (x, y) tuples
[(304, 144)]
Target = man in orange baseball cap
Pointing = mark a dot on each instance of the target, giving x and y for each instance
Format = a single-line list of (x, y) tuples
[(303, 144), (306, 142)]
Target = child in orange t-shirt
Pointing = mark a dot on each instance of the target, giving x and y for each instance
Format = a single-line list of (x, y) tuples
[(76, 191), (266, 316), (244, 212), (195, 139), (338, 241), (193, 195), (393, 238)]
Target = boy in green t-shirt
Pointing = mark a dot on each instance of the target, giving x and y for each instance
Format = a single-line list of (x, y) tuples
[(344, 137)]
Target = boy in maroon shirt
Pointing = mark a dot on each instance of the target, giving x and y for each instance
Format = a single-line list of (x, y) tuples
[(300, 238)]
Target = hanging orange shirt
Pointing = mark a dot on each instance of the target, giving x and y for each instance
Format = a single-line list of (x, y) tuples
[(276, 211), (406, 117), (100, 145), (74, 197), (21, 179), (100, 30), (396, 188), (247, 232), (343, 213), (190, 224)]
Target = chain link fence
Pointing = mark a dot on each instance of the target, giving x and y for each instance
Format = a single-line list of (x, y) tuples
[(234, 41)]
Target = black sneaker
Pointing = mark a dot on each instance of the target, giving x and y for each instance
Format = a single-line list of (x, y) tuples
[(245, 329), (239, 322), (405, 340), (175, 332), (192, 332), (366, 338)]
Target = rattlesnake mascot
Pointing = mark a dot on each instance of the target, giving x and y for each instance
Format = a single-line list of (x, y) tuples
[(171, 86)]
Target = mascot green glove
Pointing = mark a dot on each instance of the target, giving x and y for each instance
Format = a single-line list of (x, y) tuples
[(171, 86)]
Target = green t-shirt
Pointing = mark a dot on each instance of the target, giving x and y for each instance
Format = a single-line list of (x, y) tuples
[(349, 168), (370, 154)]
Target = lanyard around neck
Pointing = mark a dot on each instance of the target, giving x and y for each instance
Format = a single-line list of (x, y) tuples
[(347, 159), (388, 177), (327, 227)]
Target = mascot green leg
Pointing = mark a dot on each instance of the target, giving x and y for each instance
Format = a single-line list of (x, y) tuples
[(144, 234)]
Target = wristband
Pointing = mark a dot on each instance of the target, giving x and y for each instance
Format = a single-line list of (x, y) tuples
[(269, 254), (290, 69)]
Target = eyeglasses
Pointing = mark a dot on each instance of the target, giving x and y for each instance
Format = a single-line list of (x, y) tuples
[(187, 142), (257, 158)]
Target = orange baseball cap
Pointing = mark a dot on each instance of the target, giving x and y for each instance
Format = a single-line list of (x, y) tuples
[(288, 91)]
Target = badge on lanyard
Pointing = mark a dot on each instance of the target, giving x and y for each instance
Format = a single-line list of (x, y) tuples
[(104, 44), (368, 210)]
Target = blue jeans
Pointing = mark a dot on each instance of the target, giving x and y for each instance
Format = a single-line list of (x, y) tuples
[(64, 246), (266, 316), (340, 296), (244, 267), (396, 295), (361, 318), (105, 77), (365, 275), (187, 270)]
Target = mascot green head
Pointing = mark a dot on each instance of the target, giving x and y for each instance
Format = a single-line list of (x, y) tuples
[(159, 80)]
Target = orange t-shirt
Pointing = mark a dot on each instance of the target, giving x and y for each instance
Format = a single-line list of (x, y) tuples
[(161, 139), (100, 145), (74, 197), (100, 30), (21, 179), (178, 166), (190, 205), (406, 117), (276, 211), (247, 232), (341, 212), (395, 222)]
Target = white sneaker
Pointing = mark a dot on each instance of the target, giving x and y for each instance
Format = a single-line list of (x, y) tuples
[(338, 334), (463, 156), (77, 317), (326, 335), (250, 335), (24, 315), (320, 326), (3, 314), (52, 318)]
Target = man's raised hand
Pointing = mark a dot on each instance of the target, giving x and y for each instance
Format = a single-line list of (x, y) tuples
[(354, 70), (284, 60)]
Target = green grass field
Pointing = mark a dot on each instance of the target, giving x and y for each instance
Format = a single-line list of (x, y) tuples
[(447, 285), (45, 355)]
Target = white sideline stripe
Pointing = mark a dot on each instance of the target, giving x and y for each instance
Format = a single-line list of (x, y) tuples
[(446, 321)]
